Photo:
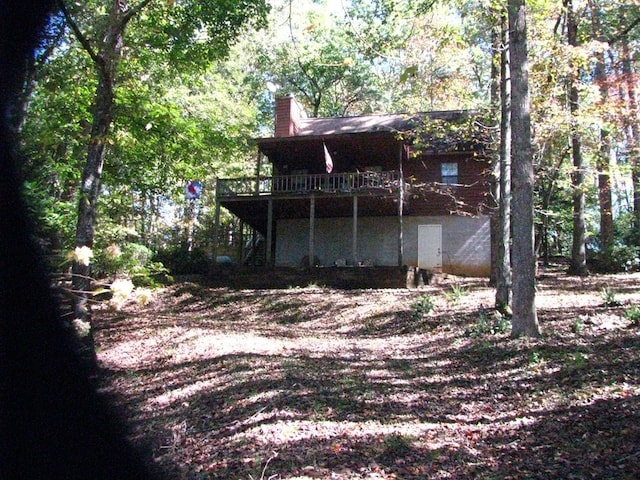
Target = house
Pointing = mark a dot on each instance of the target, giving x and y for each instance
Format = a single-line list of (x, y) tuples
[(375, 190)]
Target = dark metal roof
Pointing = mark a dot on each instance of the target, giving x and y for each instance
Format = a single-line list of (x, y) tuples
[(372, 123), (364, 129), (395, 123), (364, 124)]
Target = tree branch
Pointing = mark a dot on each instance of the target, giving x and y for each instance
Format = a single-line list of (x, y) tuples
[(625, 32), (132, 12), (78, 33)]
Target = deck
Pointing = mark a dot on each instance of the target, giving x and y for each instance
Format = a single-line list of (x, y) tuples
[(385, 183)]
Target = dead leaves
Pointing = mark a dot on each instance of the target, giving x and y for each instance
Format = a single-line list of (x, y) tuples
[(222, 388)]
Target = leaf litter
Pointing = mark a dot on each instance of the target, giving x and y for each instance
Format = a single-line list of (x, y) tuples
[(319, 383)]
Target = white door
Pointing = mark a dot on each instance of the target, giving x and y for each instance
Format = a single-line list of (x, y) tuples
[(430, 247)]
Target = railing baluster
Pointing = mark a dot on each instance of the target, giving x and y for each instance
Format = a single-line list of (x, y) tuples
[(296, 184)]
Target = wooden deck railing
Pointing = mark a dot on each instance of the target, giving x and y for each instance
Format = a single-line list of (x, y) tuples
[(352, 182)]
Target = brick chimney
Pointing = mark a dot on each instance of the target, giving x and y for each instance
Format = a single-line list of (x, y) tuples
[(288, 115)]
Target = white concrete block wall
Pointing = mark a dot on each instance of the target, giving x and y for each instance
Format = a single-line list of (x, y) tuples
[(377, 240), (465, 241)]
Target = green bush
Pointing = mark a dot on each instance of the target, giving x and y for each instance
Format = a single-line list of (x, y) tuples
[(422, 306), (492, 324), (622, 258), (455, 294), (633, 315), (181, 262), (131, 260), (608, 296)]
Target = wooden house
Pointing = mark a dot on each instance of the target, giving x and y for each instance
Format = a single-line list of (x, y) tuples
[(375, 190)]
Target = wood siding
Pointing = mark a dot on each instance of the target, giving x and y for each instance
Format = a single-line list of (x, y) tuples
[(429, 196)]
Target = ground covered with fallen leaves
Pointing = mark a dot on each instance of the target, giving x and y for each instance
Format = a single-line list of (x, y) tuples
[(318, 383)]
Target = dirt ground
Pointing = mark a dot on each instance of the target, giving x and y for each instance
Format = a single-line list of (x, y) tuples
[(316, 383)]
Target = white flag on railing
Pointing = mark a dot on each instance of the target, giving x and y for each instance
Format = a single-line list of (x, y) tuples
[(328, 161)]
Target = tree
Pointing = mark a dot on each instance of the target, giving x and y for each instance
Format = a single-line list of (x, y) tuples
[(603, 162), (326, 58), (191, 32), (524, 320), (503, 281), (633, 134), (578, 252)]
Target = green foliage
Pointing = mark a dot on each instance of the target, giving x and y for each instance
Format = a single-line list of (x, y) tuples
[(608, 296), (535, 357), (493, 323), (578, 360), (622, 258), (455, 294), (396, 446), (192, 33), (578, 325), (421, 307), (446, 135), (132, 260), (624, 254), (632, 314), (179, 261)]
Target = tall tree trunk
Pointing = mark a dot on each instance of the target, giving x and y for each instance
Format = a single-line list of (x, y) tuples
[(495, 158), (578, 264), (603, 161), (503, 284), (106, 62), (524, 320), (634, 131)]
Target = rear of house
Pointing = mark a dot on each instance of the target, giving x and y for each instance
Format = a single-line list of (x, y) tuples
[(377, 190)]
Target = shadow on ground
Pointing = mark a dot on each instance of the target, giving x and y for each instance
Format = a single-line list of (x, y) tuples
[(351, 385)]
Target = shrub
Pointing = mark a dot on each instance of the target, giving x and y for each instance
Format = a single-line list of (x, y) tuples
[(455, 294), (625, 257), (619, 258), (578, 325), (492, 324), (422, 306), (131, 260), (180, 262), (608, 296), (633, 315)]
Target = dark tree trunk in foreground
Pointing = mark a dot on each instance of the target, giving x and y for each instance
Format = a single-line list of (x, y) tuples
[(524, 321)]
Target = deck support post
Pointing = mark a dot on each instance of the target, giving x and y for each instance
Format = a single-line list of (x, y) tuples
[(312, 220), (258, 165), (354, 240), (269, 230), (241, 244), (254, 244)]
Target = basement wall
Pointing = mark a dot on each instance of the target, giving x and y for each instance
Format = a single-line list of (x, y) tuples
[(465, 242)]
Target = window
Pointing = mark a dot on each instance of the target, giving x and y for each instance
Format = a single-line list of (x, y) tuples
[(449, 173)]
